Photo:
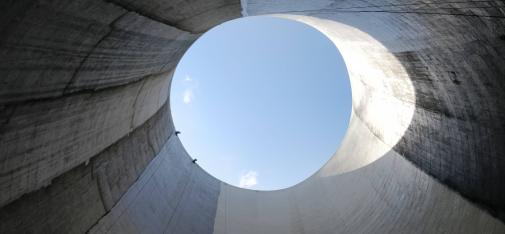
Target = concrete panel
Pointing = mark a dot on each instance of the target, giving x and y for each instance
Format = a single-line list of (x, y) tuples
[(42, 44), (193, 16), (41, 140), (134, 48), (78, 198), (184, 204), (50, 48)]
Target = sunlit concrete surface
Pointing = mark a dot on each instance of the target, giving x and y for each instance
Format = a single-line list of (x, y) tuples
[(87, 143)]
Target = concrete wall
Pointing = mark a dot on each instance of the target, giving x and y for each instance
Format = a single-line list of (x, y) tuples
[(87, 143), (185, 203), (80, 83), (78, 198)]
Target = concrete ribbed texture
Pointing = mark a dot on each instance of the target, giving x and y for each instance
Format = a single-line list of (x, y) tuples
[(87, 142)]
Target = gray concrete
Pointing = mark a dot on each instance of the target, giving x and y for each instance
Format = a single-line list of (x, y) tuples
[(87, 143), (79, 197)]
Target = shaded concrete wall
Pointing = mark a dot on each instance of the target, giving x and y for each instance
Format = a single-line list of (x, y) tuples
[(83, 93), (87, 144), (78, 198), (43, 139)]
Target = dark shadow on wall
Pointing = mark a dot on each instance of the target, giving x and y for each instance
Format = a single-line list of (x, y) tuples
[(457, 132)]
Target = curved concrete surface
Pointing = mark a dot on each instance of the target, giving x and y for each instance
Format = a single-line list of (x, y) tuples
[(87, 142)]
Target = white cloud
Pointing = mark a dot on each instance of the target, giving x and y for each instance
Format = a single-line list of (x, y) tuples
[(188, 78), (248, 179), (187, 97)]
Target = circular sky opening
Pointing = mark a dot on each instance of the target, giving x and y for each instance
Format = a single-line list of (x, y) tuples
[(261, 102)]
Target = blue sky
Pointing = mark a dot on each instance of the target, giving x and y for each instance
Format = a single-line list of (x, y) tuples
[(261, 102)]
